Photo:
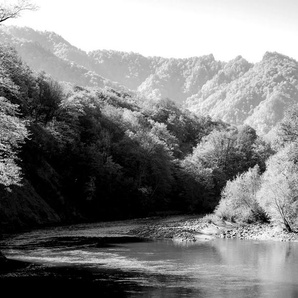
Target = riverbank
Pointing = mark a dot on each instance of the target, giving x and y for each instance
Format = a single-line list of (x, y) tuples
[(108, 258), (204, 228)]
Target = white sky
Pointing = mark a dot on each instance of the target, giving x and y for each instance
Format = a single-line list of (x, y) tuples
[(172, 28)]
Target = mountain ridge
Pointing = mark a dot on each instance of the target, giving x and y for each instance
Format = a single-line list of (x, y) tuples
[(237, 91)]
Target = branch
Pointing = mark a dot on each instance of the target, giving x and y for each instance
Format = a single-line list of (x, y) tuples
[(14, 11)]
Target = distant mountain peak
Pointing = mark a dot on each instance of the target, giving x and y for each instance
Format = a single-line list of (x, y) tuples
[(235, 91), (275, 55), (29, 34)]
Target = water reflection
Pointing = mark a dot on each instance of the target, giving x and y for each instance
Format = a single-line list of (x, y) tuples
[(217, 268), (273, 264)]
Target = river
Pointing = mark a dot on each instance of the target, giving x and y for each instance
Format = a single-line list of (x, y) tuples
[(103, 260)]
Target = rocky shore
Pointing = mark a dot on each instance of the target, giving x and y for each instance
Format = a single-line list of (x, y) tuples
[(198, 229)]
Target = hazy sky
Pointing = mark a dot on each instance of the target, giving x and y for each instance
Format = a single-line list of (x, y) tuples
[(172, 28)]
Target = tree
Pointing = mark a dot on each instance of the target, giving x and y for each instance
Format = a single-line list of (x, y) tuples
[(48, 99), (217, 151), (17, 81), (251, 149), (288, 128), (154, 158), (12, 133), (12, 11), (196, 185), (279, 192), (239, 197), (246, 137)]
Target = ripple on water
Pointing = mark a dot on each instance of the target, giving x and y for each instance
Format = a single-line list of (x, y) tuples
[(235, 268)]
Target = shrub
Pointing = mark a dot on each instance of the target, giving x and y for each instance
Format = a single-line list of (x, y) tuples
[(238, 199)]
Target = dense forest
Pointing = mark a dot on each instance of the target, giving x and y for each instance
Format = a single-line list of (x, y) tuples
[(71, 152), (112, 135)]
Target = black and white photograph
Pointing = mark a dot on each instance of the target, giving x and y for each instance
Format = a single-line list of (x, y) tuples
[(149, 148)]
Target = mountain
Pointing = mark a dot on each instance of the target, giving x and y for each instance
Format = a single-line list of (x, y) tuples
[(180, 78), (258, 95), (236, 92), (49, 52), (153, 77)]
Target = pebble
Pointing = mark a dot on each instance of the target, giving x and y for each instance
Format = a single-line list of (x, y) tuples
[(185, 231)]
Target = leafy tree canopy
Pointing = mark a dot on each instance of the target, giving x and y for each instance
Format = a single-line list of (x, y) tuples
[(13, 132), (12, 11)]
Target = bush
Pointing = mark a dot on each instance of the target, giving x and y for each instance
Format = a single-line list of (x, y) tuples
[(238, 202)]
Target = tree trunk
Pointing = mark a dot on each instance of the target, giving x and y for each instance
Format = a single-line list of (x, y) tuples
[(287, 226)]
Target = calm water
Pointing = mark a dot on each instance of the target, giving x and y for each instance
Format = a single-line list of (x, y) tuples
[(114, 263)]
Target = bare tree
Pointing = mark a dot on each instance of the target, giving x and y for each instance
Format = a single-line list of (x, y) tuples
[(12, 11)]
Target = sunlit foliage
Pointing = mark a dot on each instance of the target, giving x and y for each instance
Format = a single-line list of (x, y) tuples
[(279, 191)]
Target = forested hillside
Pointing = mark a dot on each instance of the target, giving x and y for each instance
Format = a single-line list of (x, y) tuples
[(270, 195), (257, 95), (154, 77), (49, 52), (236, 92), (110, 135), (79, 153)]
